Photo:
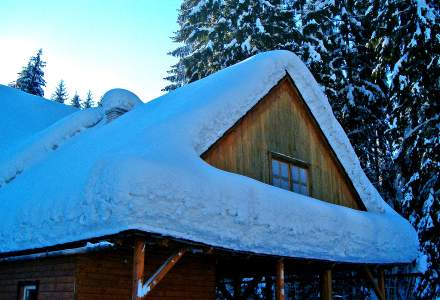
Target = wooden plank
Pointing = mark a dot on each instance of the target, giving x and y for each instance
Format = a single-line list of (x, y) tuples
[(373, 283), (279, 289), (138, 266), (154, 280), (326, 285)]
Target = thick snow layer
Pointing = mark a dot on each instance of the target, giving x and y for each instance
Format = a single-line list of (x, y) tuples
[(22, 115), (119, 98), (143, 171)]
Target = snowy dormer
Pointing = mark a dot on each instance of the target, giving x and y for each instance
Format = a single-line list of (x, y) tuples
[(117, 102)]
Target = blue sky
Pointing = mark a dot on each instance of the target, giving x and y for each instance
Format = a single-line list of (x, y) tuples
[(96, 45)]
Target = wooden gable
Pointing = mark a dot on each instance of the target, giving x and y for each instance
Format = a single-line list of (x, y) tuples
[(281, 125)]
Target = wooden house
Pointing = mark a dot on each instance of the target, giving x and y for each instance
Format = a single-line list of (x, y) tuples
[(239, 186)]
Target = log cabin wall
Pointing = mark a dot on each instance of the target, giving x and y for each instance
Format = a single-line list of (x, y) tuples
[(108, 275), (281, 123), (193, 277), (103, 275), (56, 277)]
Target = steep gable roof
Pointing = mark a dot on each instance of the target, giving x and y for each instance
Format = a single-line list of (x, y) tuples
[(143, 171)]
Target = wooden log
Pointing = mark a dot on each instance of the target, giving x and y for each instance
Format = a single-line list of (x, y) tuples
[(161, 272), (373, 283), (138, 266), (326, 285), (280, 292)]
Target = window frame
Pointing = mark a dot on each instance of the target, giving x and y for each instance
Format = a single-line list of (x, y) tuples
[(22, 286), (291, 161)]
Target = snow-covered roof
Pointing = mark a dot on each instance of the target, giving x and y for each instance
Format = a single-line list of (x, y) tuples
[(23, 115), (143, 171)]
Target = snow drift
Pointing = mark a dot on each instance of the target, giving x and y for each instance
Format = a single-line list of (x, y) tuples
[(143, 171)]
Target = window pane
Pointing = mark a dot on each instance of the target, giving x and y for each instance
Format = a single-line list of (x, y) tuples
[(275, 168), (304, 190), (276, 181), (28, 292), (294, 171), (296, 188), (284, 170), (303, 175), (285, 184)]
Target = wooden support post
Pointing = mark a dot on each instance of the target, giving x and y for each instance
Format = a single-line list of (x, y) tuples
[(326, 285), (373, 283), (381, 282), (280, 280), (161, 272), (138, 266)]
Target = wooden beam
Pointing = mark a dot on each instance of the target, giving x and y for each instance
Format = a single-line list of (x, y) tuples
[(161, 272), (280, 280), (373, 283), (326, 285), (138, 266)]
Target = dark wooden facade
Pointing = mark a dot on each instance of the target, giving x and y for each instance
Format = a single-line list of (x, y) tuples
[(55, 276), (107, 275), (281, 124)]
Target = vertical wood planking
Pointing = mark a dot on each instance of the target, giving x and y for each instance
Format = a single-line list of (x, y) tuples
[(280, 122)]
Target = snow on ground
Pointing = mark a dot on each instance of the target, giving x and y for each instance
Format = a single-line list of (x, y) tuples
[(143, 171)]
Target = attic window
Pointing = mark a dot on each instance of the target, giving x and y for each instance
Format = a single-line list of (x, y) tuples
[(290, 175)]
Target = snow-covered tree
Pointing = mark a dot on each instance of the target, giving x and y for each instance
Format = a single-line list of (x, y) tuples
[(407, 48), (31, 78), (60, 95), (88, 103), (76, 101), (217, 33)]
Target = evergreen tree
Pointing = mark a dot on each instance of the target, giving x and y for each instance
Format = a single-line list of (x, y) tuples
[(88, 103), (216, 34), (408, 55), (99, 104), (31, 78), (76, 101), (357, 98), (60, 95)]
